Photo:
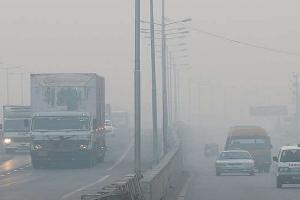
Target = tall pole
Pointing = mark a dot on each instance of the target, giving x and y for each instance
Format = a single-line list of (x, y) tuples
[(22, 88), (137, 91), (170, 88), (190, 101), (175, 93), (154, 96), (296, 84), (7, 87), (164, 81)]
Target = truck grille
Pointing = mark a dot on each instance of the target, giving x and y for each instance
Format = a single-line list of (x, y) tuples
[(22, 139), (61, 145)]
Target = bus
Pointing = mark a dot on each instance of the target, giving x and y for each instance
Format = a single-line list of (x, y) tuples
[(255, 140)]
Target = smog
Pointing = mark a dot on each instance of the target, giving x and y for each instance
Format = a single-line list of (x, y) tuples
[(149, 100)]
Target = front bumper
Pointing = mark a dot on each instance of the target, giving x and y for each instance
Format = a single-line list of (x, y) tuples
[(289, 178), (235, 169), (55, 156), (17, 146)]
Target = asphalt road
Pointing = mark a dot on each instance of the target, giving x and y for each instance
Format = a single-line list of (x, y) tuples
[(18, 180), (204, 185)]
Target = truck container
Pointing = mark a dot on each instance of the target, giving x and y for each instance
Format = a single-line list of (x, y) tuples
[(68, 120), (16, 135)]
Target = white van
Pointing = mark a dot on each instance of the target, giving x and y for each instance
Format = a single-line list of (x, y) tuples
[(288, 165)]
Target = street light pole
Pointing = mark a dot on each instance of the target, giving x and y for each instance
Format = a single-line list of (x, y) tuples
[(175, 92), (7, 87), (137, 91), (170, 88), (164, 81), (154, 96)]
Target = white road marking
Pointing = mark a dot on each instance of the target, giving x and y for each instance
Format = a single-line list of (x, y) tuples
[(2, 175), (24, 179), (183, 192), (85, 187), (122, 157), (21, 168)]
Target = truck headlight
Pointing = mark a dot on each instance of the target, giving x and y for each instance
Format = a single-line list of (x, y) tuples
[(7, 141), (83, 147), (283, 169), (37, 147)]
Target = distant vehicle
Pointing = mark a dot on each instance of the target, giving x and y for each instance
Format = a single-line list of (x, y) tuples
[(288, 166), (16, 135), (109, 127), (120, 119), (211, 149), (235, 161), (253, 139), (68, 123)]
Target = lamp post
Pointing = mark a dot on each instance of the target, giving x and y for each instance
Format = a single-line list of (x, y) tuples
[(164, 37), (137, 91), (154, 94)]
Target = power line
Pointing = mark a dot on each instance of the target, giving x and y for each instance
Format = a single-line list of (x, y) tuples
[(244, 43), (240, 42)]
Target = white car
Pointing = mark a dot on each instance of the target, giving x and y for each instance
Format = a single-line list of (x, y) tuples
[(288, 166), (235, 161)]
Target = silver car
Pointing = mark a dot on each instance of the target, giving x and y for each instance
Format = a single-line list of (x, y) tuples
[(235, 161)]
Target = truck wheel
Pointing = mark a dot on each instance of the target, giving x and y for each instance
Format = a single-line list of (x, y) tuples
[(278, 183), (101, 159), (92, 160), (36, 164)]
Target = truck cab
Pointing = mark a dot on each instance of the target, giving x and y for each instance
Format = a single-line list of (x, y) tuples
[(67, 137), (16, 131)]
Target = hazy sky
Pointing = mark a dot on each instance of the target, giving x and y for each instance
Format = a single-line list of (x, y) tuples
[(97, 36)]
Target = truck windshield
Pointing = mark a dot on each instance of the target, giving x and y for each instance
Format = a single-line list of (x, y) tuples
[(292, 155), (60, 123), (14, 125), (249, 142)]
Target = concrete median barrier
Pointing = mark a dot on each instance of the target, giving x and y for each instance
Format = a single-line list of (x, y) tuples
[(157, 182)]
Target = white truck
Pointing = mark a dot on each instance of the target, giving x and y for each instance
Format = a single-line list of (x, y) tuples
[(16, 134), (68, 119)]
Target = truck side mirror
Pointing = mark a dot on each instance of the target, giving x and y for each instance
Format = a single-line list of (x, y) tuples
[(275, 159), (94, 124)]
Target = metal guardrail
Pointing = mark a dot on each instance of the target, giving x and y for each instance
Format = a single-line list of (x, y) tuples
[(127, 188), (156, 182)]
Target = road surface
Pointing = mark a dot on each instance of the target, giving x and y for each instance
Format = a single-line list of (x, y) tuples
[(205, 185), (19, 180)]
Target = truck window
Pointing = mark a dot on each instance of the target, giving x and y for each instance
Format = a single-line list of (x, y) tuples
[(60, 123), (255, 142), (16, 125)]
